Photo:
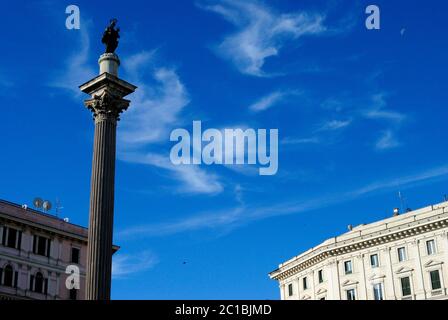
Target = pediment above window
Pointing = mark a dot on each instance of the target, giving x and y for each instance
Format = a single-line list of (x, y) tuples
[(321, 290), (349, 283), (403, 270), (433, 263), (377, 277)]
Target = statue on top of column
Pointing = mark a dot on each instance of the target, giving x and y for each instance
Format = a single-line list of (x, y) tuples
[(110, 36)]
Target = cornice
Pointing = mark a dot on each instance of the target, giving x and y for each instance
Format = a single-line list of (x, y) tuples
[(322, 253)]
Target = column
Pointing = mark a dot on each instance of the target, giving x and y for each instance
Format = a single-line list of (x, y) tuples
[(106, 103), (333, 281), (420, 292), (363, 285), (101, 210), (390, 292), (282, 292)]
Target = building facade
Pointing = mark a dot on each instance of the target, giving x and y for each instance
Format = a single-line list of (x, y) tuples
[(35, 250), (401, 258)]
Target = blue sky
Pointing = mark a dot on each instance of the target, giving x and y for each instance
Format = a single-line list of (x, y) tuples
[(361, 115)]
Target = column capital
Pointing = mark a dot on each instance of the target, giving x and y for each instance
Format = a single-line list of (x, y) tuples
[(106, 105), (107, 92)]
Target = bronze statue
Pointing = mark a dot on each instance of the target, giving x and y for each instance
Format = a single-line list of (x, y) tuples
[(110, 36)]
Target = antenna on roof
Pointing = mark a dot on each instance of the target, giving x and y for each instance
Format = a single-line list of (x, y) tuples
[(402, 201), (38, 203), (58, 207), (46, 205)]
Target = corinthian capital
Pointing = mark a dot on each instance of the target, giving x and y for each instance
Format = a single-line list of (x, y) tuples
[(106, 105)]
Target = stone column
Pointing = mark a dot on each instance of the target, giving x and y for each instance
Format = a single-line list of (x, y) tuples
[(390, 294), (106, 103), (363, 282), (420, 290)]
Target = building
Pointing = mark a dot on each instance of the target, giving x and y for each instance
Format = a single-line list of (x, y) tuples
[(401, 258), (35, 249)]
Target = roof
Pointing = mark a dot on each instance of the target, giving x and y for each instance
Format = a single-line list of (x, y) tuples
[(48, 222), (368, 234)]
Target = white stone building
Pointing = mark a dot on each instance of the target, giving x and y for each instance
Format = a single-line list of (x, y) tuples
[(404, 257)]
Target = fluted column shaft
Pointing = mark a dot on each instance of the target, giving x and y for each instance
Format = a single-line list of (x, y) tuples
[(99, 259)]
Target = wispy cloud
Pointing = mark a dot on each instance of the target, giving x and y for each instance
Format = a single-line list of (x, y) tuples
[(297, 141), (192, 178), (240, 215), (387, 140), (335, 125), (378, 110), (374, 107), (261, 32), (127, 264), (156, 109), (271, 100), (408, 180), (77, 69), (156, 105)]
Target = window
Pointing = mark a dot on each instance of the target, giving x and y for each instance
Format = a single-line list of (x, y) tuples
[(38, 283), (435, 280), (8, 277), (348, 267), (378, 291), (305, 283), (405, 286), (401, 254), (374, 261), (351, 294), (75, 255), (12, 238), (430, 247), (290, 290), (41, 246), (73, 294), (320, 276)]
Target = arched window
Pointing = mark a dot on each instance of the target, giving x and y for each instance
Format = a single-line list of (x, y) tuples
[(8, 276), (39, 283)]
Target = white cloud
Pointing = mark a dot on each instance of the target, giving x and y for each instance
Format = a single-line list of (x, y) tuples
[(234, 217), (385, 115), (135, 64), (125, 264), (335, 125), (156, 105), (296, 141), (261, 32), (387, 140), (155, 110), (77, 70), (378, 110), (270, 100), (267, 101), (193, 179)]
